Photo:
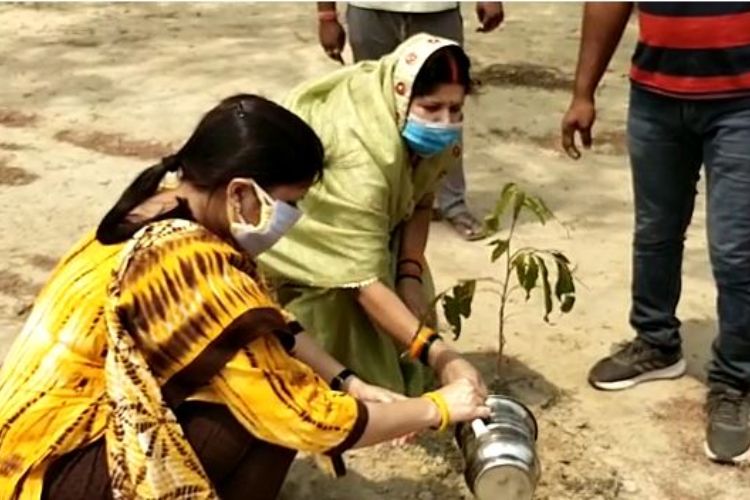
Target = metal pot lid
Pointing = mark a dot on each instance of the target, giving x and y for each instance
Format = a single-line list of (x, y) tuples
[(499, 403)]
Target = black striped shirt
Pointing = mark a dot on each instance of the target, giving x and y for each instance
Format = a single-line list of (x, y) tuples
[(693, 49)]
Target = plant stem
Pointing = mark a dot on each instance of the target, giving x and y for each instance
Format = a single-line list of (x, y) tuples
[(503, 300)]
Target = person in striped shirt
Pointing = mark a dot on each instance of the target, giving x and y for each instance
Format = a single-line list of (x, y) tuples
[(689, 106)]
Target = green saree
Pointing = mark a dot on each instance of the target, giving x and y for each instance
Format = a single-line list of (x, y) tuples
[(348, 236)]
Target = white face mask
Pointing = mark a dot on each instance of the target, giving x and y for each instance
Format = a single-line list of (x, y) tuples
[(276, 219)]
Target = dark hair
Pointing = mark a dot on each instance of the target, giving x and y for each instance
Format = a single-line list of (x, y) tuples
[(446, 65), (243, 136)]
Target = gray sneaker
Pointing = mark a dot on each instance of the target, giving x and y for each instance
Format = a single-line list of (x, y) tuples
[(636, 362), (728, 430)]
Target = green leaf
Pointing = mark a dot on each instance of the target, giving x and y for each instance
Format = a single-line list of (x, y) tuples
[(567, 304), (458, 305), (537, 206), (492, 223), (546, 288), (501, 246), (518, 203), (560, 257), (532, 273), (565, 288), (464, 294), (545, 209), (519, 262), (564, 285), (506, 195), (452, 314)]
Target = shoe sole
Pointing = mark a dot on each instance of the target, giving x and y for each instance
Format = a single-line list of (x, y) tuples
[(676, 370), (739, 459)]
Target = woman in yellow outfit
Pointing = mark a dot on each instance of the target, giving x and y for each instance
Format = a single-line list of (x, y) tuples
[(154, 364)]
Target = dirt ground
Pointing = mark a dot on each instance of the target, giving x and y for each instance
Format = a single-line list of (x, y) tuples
[(90, 94)]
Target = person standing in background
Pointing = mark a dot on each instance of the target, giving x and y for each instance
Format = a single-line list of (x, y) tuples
[(376, 29), (689, 106)]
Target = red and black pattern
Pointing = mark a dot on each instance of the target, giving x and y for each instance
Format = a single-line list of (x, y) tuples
[(693, 50)]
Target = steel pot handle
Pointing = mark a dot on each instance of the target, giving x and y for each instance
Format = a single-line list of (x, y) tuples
[(479, 427)]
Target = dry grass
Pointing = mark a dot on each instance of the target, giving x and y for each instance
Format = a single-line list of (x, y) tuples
[(14, 176), (115, 144), (608, 142), (43, 262), (15, 285), (523, 75), (16, 119)]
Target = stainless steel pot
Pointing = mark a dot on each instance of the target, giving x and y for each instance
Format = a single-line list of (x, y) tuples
[(500, 452)]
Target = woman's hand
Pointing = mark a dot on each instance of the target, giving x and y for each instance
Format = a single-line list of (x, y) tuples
[(460, 369), (464, 400), (451, 367), (410, 291), (358, 388)]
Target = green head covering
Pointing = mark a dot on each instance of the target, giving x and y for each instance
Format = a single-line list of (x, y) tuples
[(369, 185)]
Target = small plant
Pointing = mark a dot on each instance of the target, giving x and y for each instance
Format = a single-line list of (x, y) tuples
[(534, 268)]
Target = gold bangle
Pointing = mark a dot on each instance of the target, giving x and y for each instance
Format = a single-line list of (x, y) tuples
[(439, 400)]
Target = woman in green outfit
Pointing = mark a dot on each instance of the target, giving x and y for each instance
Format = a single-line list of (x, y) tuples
[(353, 269)]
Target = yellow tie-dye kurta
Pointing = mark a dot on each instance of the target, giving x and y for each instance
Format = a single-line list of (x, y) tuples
[(121, 333)]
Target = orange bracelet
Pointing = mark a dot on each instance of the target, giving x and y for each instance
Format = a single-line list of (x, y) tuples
[(419, 341)]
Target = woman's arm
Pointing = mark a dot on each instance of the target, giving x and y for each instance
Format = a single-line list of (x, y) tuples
[(389, 421), (307, 350), (283, 402), (461, 402), (382, 305), (397, 315), (415, 232), (400, 314), (411, 262), (390, 313)]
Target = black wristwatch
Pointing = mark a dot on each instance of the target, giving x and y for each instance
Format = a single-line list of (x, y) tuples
[(337, 382)]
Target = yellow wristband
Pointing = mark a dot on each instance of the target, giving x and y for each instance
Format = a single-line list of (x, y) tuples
[(439, 400)]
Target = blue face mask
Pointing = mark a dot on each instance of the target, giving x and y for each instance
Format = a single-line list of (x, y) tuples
[(428, 138)]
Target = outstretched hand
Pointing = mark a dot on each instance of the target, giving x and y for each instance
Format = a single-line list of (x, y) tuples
[(371, 393), (332, 38), (579, 119), (490, 15)]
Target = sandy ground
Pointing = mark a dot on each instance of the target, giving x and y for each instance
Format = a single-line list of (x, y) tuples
[(91, 93)]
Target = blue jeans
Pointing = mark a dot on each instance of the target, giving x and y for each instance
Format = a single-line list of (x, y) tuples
[(669, 139)]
